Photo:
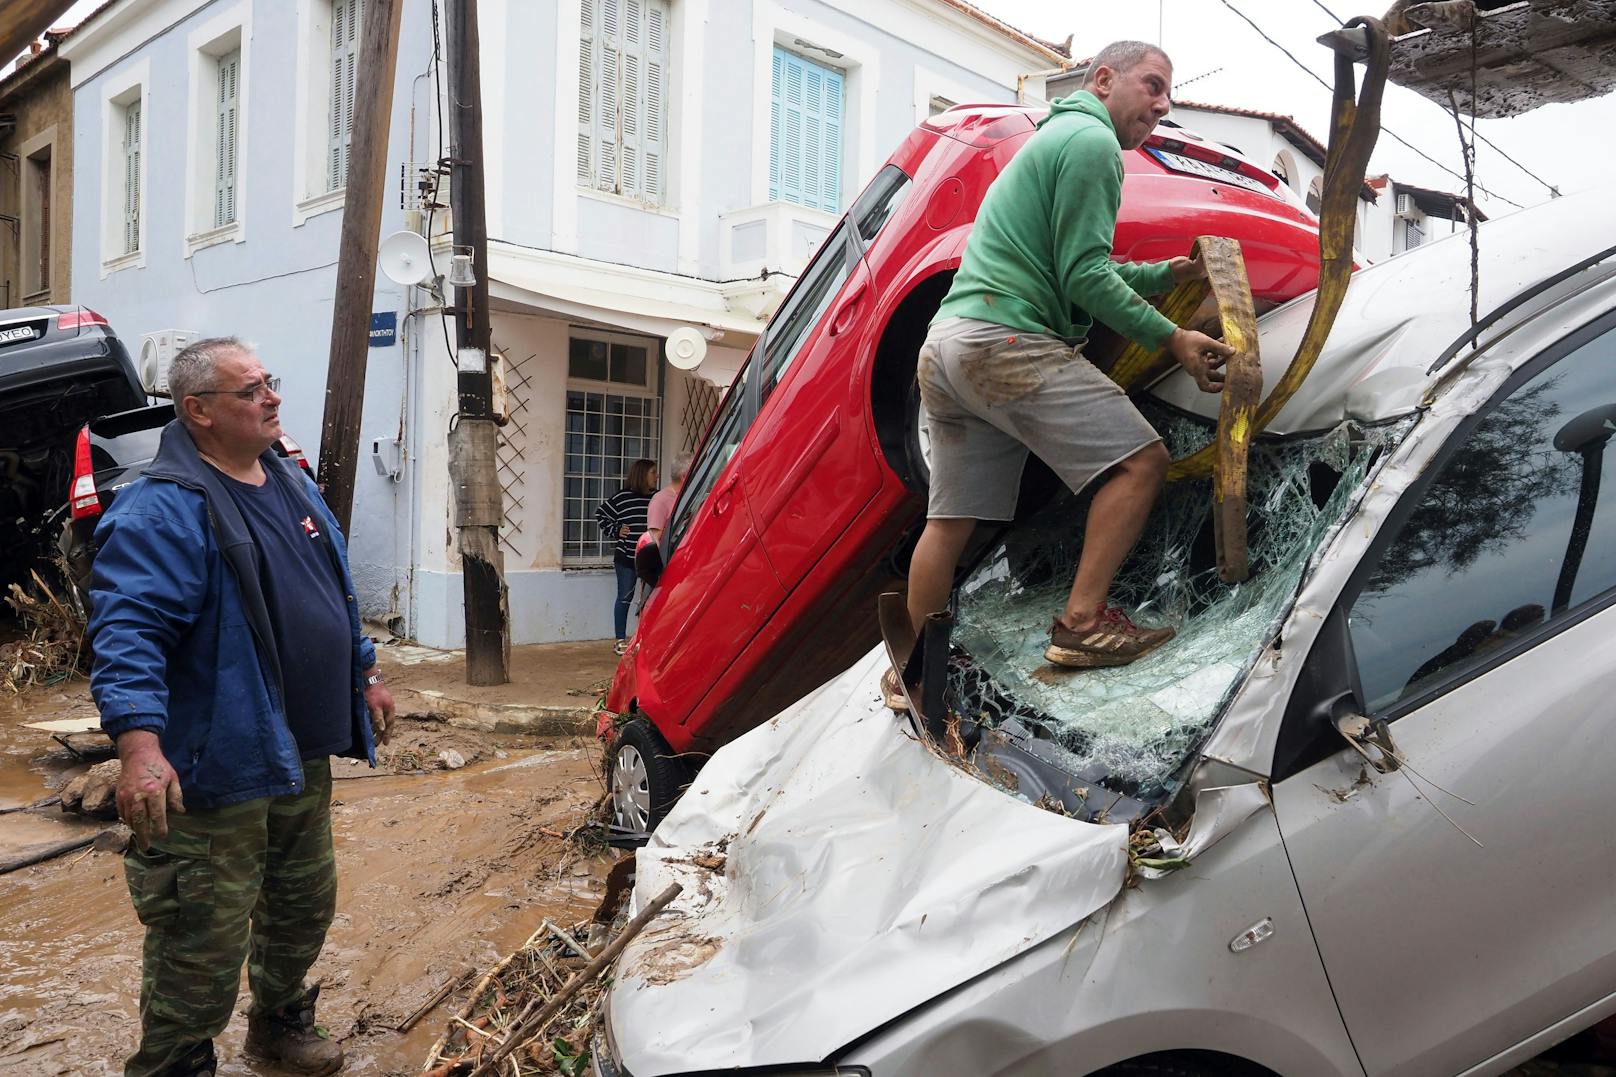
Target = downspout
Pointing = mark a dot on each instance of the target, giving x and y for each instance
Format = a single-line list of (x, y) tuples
[(1021, 80)]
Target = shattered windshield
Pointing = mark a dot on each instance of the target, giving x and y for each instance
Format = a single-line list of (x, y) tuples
[(1130, 729)]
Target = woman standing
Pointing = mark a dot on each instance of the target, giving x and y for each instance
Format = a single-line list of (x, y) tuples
[(622, 520)]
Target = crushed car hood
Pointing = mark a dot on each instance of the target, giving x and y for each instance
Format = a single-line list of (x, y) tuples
[(837, 873)]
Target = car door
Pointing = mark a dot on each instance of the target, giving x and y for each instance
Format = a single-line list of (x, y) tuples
[(1464, 902), (813, 467), (718, 589)]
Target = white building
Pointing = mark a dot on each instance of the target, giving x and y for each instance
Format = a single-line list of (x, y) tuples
[(650, 164)]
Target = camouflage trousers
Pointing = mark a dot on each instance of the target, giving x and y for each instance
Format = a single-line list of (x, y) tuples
[(254, 881)]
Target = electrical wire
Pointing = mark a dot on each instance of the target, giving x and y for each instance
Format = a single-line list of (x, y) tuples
[(1387, 130), (1554, 191), (437, 176)]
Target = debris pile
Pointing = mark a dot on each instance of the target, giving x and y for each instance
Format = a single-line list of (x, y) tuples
[(53, 642), (535, 1012)]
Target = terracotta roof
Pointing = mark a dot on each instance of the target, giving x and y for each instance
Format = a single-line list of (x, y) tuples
[(53, 38), (1059, 55), (1443, 203)]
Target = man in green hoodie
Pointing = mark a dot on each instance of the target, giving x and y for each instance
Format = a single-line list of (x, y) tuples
[(1002, 371)]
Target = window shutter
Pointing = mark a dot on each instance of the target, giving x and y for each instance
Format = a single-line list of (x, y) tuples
[(654, 103), (805, 139), (588, 90), (632, 60), (131, 177), (224, 198), (347, 17), (608, 134)]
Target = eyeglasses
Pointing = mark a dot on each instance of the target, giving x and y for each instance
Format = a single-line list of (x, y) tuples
[(253, 393)]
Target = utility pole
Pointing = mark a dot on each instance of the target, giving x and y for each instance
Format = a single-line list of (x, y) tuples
[(22, 21), (479, 500), (356, 255)]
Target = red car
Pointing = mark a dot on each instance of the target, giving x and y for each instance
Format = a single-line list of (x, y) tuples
[(808, 492)]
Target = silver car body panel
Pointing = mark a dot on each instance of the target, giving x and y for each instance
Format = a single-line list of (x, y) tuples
[(838, 873), (876, 905), (1373, 366)]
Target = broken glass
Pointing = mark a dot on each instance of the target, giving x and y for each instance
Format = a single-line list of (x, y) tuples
[(1132, 728)]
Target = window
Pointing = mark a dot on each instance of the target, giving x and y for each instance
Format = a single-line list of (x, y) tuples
[(623, 97), (727, 429), (805, 306), (805, 133), (1413, 234), (36, 222), (1506, 538), (347, 19), (130, 233), (613, 419), (1315, 195), (225, 139)]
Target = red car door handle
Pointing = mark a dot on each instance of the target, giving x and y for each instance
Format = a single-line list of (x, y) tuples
[(721, 495), (848, 312)]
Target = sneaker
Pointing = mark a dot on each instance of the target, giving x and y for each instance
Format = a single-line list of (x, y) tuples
[(1112, 640), (620, 647), (290, 1036)]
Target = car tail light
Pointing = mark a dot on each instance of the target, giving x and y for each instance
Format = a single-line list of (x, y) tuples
[(82, 499), (74, 319), (294, 453), (1213, 155)]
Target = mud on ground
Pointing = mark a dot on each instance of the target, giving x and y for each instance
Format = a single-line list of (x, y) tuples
[(440, 871)]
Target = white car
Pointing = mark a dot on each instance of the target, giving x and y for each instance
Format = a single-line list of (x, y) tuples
[(1358, 818)]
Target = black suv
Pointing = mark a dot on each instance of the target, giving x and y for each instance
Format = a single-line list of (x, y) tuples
[(60, 367)]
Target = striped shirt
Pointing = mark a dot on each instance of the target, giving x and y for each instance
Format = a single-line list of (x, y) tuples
[(626, 507)]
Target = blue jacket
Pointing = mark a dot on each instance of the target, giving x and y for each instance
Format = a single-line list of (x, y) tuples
[(182, 635)]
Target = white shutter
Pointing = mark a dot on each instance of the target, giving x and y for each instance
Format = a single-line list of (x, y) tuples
[(608, 132), (347, 19), (224, 194), (131, 177), (588, 89), (632, 59), (654, 104)]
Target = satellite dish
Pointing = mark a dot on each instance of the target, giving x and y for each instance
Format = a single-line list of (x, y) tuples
[(405, 259), (686, 348)]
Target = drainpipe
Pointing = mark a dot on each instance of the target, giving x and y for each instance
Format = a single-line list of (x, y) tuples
[(1021, 80)]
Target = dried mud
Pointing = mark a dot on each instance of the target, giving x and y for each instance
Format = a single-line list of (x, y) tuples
[(439, 871)]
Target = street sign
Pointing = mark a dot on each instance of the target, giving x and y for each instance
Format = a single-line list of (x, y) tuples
[(384, 329)]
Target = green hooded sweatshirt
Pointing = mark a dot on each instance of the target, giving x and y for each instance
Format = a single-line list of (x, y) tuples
[(1039, 256)]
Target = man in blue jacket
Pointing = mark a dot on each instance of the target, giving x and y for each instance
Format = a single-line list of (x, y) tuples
[(229, 668)]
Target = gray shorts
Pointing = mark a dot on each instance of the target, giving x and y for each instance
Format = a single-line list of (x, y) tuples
[(991, 394)]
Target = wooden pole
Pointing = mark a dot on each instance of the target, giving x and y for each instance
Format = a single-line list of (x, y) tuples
[(356, 255), (479, 499), (22, 21)]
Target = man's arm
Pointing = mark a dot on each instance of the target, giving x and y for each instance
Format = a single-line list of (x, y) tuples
[(147, 586)]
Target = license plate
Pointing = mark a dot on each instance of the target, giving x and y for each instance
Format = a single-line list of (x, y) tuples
[(21, 332), (1194, 167)]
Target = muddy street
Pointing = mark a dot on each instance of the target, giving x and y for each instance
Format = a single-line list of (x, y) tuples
[(440, 871)]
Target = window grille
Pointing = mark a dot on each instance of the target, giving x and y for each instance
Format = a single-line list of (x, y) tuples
[(606, 433)]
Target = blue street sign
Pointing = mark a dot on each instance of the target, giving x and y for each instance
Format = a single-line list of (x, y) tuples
[(384, 329)]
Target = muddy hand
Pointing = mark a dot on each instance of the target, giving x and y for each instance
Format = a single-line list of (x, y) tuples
[(379, 701), (1187, 269), (1201, 356), (148, 788)]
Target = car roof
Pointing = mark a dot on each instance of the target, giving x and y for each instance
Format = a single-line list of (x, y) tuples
[(1401, 315)]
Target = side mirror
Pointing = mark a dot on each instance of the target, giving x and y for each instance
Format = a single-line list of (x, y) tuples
[(1370, 739)]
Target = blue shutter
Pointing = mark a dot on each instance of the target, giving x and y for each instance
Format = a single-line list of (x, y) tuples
[(805, 133)]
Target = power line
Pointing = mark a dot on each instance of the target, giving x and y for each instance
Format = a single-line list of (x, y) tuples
[(1311, 74), (1553, 190)]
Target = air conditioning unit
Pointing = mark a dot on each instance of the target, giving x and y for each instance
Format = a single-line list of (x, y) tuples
[(1405, 206), (157, 351)]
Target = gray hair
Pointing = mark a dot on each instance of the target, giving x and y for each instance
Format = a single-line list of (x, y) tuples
[(1121, 57), (681, 467), (192, 370)]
